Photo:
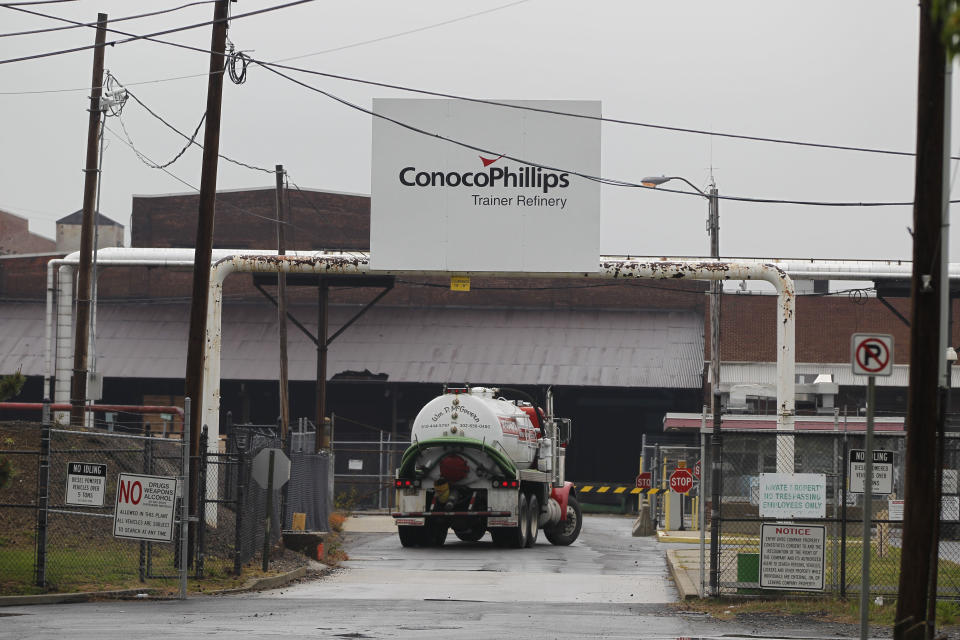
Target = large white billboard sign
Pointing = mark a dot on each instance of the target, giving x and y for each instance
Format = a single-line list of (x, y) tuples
[(509, 201)]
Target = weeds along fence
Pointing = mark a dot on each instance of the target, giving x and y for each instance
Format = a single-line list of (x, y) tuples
[(749, 462), (57, 518)]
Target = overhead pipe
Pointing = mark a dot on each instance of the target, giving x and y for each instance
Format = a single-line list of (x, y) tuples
[(358, 263)]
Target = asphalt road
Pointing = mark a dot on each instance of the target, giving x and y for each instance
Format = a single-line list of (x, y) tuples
[(606, 585)]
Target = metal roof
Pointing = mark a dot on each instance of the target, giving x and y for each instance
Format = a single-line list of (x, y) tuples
[(504, 346)]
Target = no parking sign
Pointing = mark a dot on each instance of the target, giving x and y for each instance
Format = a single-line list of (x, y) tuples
[(871, 354)]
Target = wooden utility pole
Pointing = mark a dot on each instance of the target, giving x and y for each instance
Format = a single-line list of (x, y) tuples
[(921, 509), (282, 310), (193, 384), (78, 383)]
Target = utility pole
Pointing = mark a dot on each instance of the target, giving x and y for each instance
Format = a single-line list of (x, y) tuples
[(282, 309), (921, 510), (716, 439), (716, 288), (78, 383), (203, 251)]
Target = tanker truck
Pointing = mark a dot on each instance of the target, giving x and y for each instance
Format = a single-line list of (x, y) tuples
[(479, 462)]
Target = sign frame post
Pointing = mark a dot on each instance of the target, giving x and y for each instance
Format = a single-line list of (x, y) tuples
[(870, 355)]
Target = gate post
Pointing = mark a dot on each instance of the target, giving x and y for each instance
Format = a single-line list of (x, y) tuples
[(202, 462), (43, 496), (241, 484)]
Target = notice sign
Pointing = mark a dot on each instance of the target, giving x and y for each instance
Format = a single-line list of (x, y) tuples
[(793, 495), (894, 509), (792, 557), (882, 472), (145, 506), (489, 188), (86, 483), (950, 508)]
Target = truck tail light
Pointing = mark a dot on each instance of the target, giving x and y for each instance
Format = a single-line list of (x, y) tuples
[(506, 484), (402, 483)]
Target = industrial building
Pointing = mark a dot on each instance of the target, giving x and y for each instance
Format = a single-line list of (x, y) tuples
[(618, 355)]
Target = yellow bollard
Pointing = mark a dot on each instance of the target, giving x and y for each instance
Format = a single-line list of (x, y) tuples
[(666, 510)]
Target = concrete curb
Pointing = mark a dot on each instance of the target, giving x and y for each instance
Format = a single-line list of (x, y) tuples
[(255, 584), (263, 584), (687, 537), (81, 596), (685, 584)]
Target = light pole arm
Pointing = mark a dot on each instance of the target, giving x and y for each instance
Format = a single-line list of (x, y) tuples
[(654, 182)]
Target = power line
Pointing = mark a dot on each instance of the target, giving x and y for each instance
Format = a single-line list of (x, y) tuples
[(150, 163), (11, 5), (439, 94), (94, 24), (155, 165), (404, 33), (600, 179), (150, 36), (307, 55), (192, 139), (634, 123)]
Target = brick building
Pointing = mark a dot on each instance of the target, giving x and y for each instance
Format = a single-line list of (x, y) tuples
[(618, 354), (16, 238)]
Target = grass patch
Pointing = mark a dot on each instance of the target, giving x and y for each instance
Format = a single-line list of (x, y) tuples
[(824, 609), (116, 566)]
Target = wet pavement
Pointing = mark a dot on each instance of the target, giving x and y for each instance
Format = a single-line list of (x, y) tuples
[(608, 584)]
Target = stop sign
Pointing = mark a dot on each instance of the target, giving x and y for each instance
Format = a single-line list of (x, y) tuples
[(644, 480), (681, 480)]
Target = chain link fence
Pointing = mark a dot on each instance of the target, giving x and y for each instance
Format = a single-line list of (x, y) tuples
[(19, 469), (58, 501), (748, 501), (57, 509), (364, 472), (243, 508)]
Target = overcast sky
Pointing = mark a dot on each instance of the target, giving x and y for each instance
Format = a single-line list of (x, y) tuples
[(819, 71)]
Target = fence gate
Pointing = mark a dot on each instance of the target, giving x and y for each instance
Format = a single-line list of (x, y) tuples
[(364, 472)]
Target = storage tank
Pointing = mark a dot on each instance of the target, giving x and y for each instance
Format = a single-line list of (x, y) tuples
[(479, 415)]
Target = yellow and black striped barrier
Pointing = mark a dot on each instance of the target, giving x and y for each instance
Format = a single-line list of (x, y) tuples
[(615, 489)]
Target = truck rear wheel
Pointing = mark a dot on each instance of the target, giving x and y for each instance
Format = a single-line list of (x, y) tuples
[(568, 530), (435, 535), (515, 537), (533, 521), (472, 534), (411, 536)]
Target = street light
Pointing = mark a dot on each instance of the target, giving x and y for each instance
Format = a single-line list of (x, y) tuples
[(713, 229)]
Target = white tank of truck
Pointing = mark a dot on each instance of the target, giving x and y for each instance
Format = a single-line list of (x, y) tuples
[(480, 463), (478, 414)]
